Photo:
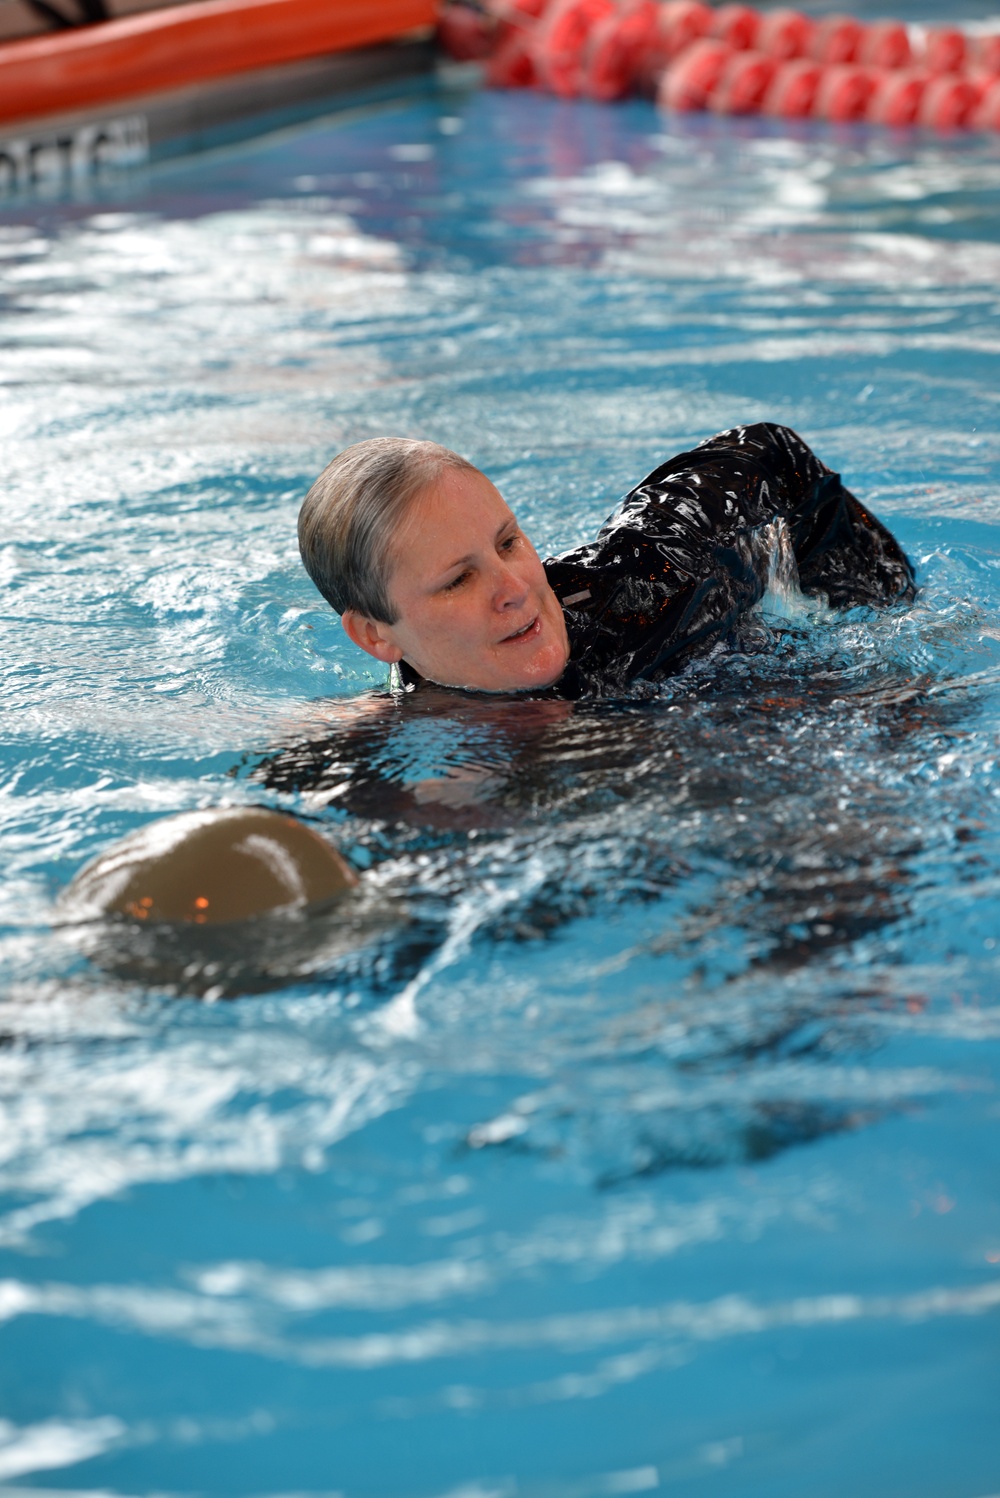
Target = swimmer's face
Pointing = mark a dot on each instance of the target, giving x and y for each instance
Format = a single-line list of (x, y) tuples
[(475, 607)]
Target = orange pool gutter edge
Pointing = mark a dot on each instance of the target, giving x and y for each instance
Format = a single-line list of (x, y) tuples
[(170, 49)]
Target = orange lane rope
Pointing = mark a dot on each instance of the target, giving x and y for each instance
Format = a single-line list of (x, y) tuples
[(185, 44)]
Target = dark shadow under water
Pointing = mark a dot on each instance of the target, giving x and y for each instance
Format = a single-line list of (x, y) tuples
[(793, 784), (773, 800)]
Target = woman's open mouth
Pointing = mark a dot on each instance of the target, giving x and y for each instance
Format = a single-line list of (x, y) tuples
[(531, 628)]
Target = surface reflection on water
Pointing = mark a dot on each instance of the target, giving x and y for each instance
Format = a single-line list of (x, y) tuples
[(769, 802), (652, 1141)]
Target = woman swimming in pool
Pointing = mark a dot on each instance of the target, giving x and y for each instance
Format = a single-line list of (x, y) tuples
[(425, 562)]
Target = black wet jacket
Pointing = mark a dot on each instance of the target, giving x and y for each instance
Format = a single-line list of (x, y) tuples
[(690, 549)]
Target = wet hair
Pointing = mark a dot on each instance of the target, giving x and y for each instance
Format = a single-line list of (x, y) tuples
[(351, 515)]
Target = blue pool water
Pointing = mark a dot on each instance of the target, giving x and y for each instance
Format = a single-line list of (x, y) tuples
[(649, 1138)]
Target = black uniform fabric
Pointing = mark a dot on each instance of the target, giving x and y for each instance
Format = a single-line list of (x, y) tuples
[(685, 555)]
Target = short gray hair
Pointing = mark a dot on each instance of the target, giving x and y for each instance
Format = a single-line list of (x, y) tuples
[(351, 515)]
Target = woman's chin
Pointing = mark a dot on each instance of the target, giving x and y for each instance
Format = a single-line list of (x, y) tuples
[(535, 673), (543, 670)]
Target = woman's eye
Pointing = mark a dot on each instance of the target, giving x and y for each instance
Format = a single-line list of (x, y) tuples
[(509, 543), (456, 582)]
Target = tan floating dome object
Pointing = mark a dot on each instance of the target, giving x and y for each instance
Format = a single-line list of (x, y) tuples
[(210, 867)]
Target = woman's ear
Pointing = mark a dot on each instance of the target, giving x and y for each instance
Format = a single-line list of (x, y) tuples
[(372, 636)]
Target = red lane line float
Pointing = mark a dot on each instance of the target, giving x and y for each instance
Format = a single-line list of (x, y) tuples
[(785, 34), (987, 116), (688, 84), (682, 22), (612, 54), (884, 45), (732, 59), (986, 54), (836, 40), (467, 35), (185, 44), (738, 26), (843, 93), (561, 39), (742, 83), (792, 91), (513, 63), (896, 98), (944, 50), (948, 103)]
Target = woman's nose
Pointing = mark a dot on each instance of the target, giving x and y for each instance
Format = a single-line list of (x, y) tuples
[(510, 590)]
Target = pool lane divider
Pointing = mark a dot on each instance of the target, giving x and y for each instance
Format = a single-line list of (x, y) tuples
[(188, 44), (734, 59)]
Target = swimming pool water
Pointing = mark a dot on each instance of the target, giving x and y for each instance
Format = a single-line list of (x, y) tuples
[(650, 1137)]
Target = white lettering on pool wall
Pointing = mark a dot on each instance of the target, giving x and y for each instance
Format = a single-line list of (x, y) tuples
[(58, 156)]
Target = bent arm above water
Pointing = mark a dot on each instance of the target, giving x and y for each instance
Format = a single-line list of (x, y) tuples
[(680, 559), (840, 547)]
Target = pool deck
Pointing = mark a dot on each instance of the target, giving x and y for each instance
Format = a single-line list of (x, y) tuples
[(181, 78), (50, 151)]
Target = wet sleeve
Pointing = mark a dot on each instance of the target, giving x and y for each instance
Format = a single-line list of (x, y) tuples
[(840, 547), (685, 552)]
